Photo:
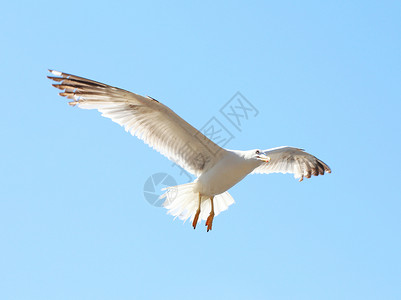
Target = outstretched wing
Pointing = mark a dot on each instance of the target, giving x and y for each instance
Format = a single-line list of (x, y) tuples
[(154, 123), (292, 160)]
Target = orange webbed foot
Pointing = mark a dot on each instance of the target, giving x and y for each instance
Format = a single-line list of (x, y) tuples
[(209, 221), (196, 219)]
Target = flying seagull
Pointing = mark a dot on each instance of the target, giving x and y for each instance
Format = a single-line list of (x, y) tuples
[(217, 169)]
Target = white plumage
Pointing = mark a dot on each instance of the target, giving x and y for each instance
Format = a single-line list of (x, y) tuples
[(217, 169)]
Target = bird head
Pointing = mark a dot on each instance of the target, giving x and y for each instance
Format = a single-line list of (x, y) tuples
[(260, 155)]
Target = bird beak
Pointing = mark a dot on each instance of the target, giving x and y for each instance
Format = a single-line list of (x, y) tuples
[(264, 157)]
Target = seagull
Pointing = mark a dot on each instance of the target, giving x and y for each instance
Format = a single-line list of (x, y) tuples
[(217, 169)]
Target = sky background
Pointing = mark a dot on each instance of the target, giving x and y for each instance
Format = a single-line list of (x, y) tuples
[(324, 76)]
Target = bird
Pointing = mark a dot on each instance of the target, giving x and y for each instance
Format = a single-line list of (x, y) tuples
[(216, 169)]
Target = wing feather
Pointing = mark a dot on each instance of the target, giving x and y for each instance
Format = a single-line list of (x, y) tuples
[(144, 117), (292, 160)]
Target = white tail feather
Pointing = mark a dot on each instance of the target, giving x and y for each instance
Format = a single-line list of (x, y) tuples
[(181, 201)]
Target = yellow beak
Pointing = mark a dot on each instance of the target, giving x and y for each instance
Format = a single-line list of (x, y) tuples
[(264, 158)]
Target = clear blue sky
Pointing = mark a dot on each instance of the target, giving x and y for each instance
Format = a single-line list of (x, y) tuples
[(74, 223)]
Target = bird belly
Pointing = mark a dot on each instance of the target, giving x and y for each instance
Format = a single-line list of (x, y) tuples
[(220, 178)]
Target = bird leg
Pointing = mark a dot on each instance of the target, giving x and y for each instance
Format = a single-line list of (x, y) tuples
[(197, 213), (209, 220)]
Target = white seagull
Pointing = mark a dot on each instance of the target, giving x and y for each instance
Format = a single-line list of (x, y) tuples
[(217, 169)]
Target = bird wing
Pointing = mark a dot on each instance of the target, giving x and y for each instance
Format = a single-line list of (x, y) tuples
[(144, 117), (292, 160)]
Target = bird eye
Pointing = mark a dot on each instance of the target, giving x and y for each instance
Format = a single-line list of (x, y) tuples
[(257, 152)]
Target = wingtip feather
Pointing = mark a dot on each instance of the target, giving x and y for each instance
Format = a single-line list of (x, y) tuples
[(56, 73)]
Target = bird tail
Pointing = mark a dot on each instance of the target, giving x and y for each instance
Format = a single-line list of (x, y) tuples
[(182, 202)]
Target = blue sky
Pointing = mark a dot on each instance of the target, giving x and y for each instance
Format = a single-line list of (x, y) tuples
[(74, 223)]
